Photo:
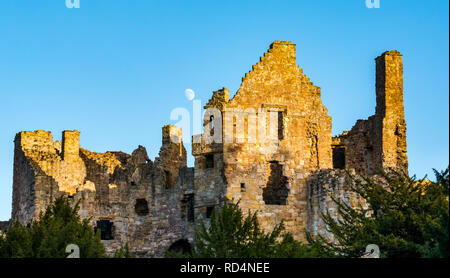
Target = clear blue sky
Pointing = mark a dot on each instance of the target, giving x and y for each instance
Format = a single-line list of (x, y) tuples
[(115, 69)]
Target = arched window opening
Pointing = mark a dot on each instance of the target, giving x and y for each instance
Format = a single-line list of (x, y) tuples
[(180, 246)]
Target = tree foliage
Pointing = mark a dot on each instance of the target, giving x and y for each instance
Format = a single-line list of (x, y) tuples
[(231, 235), (48, 237), (124, 252), (405, 217)]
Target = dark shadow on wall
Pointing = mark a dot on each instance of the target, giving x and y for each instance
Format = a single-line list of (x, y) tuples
[(181, 246), (276, 191)]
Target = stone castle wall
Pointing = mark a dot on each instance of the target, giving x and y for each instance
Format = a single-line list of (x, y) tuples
[(138, 198), (269, 147), (380, 141), (324, 185), (279, 85)]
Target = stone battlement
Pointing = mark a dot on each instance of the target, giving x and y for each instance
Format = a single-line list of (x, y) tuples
[(70, 145), (39, 140)]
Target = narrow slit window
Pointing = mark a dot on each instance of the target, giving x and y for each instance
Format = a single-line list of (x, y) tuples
[(168, 181), (187, 208), (280, 126), (209, 161), (211, 125)]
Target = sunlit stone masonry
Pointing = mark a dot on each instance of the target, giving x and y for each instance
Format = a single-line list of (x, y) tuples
[(276, 156)]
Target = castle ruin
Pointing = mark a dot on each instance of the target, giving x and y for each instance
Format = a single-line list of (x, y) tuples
[(156, 205)]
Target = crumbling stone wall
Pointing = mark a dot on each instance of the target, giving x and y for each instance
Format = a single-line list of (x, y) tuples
[(379, 143), (111, 187), (269, 147), (279, 86), (323, 185)]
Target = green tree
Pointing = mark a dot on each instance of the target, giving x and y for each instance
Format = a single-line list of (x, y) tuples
[(230, 235), (405, 217), (16, 243), (124, 252), (59, 226)]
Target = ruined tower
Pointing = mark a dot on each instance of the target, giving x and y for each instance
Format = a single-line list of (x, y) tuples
[(390, 112), (378, 143), (276, 131), (172, 154)]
